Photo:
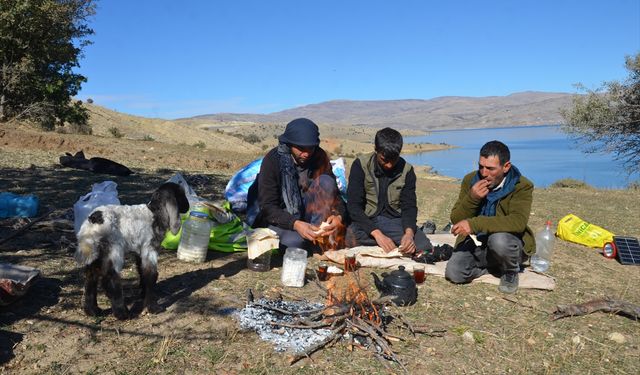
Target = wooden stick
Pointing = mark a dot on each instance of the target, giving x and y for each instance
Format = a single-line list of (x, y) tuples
[(306, 353), (605, 304), (24, 228)]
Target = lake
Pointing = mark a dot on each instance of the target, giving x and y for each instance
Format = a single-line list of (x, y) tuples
[(544, 154)]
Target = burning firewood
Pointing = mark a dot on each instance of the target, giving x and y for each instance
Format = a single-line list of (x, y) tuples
[(349, 315), (605, 304)]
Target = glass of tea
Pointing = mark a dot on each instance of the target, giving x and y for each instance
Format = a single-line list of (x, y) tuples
[(322, 272), (418, 273), (349, 263)]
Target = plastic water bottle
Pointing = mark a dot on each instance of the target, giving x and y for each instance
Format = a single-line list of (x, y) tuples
[(14, 205), (194, 241), (544, 247)]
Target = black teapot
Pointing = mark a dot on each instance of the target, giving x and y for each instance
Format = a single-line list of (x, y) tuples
[(399, 284)]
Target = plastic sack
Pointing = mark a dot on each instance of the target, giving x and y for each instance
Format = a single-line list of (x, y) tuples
[(573, 229), (227, 236), (192, 197), (14, 205), (103, 193), (238, 186), (339, 170)]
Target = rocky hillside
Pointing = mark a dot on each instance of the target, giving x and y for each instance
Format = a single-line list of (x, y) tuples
[(451, 112)]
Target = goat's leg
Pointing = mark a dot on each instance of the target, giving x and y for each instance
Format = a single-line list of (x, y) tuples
[(112, 285), (139, 268), (148, 279), (91, 278)]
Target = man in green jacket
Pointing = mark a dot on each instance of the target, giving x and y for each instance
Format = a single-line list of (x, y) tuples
[(494, 205)]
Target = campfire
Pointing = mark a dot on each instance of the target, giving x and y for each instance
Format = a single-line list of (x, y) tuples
[(349, 315)]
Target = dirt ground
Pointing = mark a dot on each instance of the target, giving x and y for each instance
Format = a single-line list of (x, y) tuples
[(46, 332)]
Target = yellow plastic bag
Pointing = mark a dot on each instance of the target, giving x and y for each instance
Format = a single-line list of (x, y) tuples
[(572, 228)]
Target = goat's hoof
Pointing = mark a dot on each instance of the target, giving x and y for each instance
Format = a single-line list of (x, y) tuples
[(121, 314), (92, 310), (154, 308)]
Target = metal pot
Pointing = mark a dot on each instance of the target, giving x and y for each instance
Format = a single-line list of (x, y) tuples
[(398, 283)]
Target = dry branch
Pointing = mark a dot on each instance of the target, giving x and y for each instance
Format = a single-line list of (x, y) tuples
[(306, 353), (24, 228), (605, 305)]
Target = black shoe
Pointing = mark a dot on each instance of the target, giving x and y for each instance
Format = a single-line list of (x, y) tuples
[(509, 282), (436, 254)]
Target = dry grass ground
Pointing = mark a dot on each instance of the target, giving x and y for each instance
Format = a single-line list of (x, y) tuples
[(47, 333)]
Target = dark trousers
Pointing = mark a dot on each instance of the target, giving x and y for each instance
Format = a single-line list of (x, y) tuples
[(392, 228), (499, 253)]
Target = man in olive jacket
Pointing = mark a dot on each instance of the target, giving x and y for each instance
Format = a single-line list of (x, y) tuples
[(494, 204), (381, 198)]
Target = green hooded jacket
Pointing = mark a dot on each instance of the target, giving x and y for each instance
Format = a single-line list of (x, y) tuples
[(512, 212)]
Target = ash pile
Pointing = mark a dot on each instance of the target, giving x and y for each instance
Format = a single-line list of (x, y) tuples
[(260, 316)]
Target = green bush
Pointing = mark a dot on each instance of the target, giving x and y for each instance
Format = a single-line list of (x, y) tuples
[(252, 138), (570, 183), (199, 144), (116, 132), (147, 137), (634, 185)]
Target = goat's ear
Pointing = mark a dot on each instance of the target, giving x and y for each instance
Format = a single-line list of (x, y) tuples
[(171, 208), (167, 202)]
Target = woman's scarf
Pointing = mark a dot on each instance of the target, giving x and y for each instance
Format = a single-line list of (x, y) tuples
[(489, 205), (289, 176)]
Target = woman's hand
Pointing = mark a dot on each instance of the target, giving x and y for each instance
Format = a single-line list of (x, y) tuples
[(305, 230), (330, 225)]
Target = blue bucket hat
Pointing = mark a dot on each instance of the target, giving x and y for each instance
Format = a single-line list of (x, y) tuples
[(301, 132)]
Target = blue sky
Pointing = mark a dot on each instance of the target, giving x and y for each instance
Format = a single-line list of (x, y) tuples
[(172, 59)]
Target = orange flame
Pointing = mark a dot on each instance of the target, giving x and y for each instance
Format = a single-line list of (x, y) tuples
[(322, 204), (350, 290)]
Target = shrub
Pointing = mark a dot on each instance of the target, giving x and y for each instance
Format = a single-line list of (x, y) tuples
[(252, 138), (147, 137), (570, 183), (81, 128), (634, 185), (200, 145), (116, 132)]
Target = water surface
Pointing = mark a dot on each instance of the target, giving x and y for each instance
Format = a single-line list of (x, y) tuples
[(544, 154)]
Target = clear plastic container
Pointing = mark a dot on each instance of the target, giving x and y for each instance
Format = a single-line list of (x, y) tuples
[(194, 241), (541, 260), (294, 266), (260, 243)]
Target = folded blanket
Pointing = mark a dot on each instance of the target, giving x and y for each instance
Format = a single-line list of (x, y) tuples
[(375, 257)]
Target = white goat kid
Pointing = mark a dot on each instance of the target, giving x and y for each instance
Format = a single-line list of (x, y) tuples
[(111, 231)]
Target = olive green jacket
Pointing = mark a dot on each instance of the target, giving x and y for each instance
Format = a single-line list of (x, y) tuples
[(512, 212), (371, 186)]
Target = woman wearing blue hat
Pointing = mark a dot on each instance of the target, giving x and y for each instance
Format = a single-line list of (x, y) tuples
[(296, 190)]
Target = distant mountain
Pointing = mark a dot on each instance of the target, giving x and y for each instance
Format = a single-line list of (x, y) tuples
[(447, 112)]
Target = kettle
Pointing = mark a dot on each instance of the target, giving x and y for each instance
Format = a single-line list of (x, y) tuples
[(399, 284)]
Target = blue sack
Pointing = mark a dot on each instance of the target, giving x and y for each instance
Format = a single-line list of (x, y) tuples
[(14, 205), (239, 184)]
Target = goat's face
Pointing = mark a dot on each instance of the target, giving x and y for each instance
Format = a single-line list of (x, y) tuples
[(167, 203)]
